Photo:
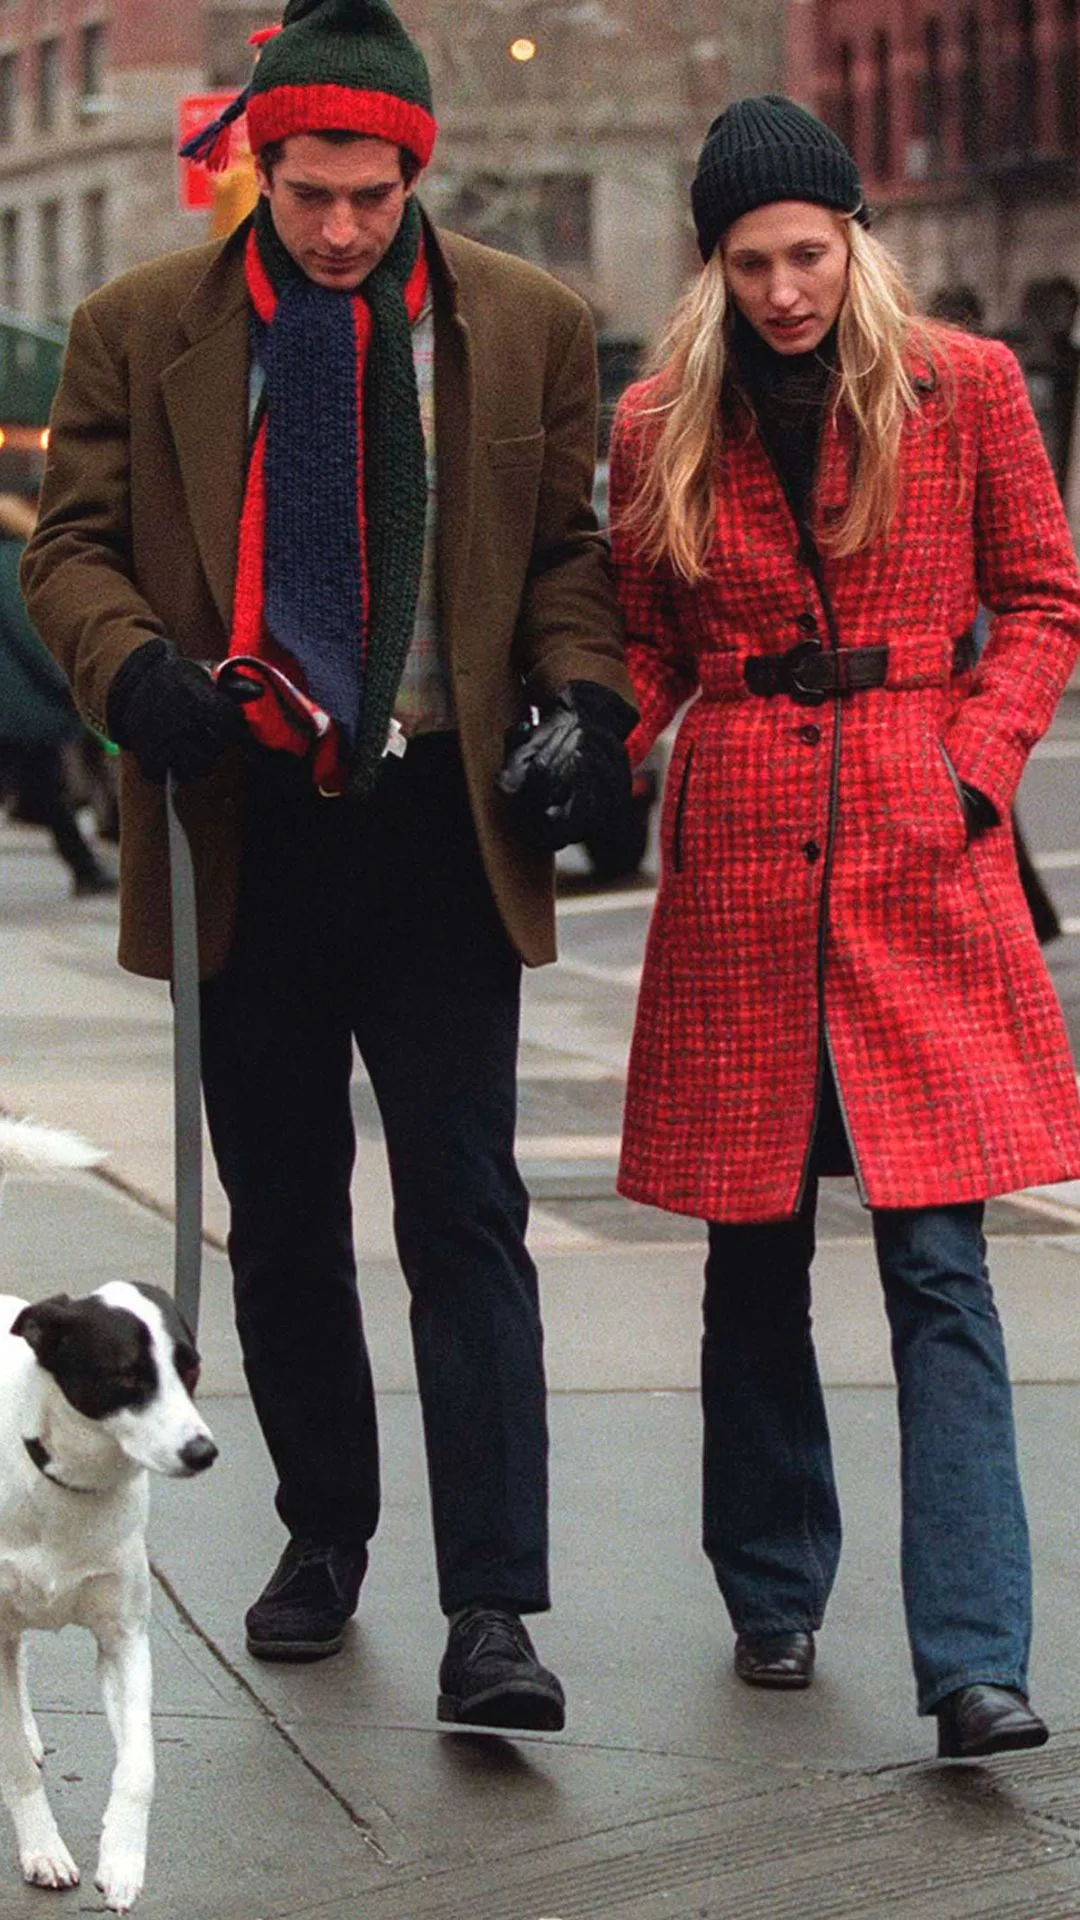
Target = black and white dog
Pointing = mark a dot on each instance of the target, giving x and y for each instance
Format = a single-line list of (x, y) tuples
[(93, 1392)]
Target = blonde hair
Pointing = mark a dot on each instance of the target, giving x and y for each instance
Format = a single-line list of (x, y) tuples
[(672, 502)]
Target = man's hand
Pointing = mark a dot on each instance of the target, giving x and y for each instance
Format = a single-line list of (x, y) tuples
[(570, 777), (168, 712)]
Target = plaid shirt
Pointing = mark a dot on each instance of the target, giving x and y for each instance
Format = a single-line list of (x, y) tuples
[(425, 703)]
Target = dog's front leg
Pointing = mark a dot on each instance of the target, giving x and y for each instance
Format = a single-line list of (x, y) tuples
[(45, 1860), (30, 1725), (126, 1684)]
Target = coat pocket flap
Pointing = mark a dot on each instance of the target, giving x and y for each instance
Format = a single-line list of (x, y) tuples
[(520, 450)]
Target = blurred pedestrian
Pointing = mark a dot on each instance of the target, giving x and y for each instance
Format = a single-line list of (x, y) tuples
[(38, 719), (406, 565), (810, 495)]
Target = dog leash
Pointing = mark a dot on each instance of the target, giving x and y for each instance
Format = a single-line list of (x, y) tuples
[(187, 1078)]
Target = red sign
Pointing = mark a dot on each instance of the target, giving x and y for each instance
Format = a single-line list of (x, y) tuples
[(195, 111)]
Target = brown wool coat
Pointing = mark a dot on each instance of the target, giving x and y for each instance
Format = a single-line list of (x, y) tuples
[(141, 504)]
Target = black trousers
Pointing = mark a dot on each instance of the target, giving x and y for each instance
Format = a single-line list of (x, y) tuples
[(373, 921)]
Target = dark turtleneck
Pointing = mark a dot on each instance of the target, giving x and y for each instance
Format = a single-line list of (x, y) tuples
[(787, 392)]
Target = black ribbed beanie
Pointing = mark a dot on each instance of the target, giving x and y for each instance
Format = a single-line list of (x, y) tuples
[(764, 149)]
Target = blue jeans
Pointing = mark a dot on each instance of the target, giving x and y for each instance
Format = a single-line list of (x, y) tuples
[(771, 1514)]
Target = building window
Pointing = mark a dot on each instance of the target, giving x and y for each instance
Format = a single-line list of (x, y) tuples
[(845, 99), (1068, 78), (933, 92), (10, 262), (972, 92), (51, 299), (1025, 81), (93, 238), (48, 86), (9, 72), (543, 217), (92, 62), (881, 143), (922, 158)]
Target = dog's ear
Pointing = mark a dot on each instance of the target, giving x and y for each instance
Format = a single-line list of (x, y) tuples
[(43, 1326), (188, 1367)]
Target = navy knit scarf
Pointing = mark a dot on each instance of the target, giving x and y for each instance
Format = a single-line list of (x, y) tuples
[(333, 526)]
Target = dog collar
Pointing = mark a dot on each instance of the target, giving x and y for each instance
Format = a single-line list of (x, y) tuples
[(42, 1460)]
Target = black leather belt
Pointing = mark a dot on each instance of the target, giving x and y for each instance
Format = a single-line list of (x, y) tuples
[(809, 673)]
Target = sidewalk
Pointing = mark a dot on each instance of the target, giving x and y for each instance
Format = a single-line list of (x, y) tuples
[(329, 1791)]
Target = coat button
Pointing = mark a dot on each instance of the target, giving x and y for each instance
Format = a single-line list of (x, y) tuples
[(806, 622), (812, 851), (810, 734)]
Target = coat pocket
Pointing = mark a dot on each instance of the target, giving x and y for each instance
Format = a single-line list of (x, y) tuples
[(680, 811), (954, 782), (520, 450)]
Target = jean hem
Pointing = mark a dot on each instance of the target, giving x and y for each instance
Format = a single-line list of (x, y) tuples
[(765, 1629), (488, 1596), (931, 1696)]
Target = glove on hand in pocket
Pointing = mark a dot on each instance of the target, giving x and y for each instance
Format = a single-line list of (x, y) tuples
[(570, 777), (170, 715), (979, 811)]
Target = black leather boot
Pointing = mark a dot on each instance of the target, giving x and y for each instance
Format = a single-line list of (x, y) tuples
[(982, 1719), (781, 1660)]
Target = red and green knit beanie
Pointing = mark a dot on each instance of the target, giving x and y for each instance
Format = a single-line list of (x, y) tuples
[(331, 64)]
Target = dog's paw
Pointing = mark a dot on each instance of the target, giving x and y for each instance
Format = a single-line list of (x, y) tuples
[(49, 1866), (119, 1877)]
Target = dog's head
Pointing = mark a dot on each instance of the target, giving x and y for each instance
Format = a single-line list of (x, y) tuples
[(123, 1358)]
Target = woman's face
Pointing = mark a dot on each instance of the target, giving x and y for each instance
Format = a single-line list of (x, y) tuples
[(786, 268)]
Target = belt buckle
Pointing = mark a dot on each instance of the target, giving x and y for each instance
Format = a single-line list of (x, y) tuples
[(799, 657)]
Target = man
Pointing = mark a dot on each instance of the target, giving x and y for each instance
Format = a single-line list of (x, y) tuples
[(357, 453)]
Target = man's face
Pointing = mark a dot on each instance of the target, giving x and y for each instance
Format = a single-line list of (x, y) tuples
[(786, 267), (336, 208)]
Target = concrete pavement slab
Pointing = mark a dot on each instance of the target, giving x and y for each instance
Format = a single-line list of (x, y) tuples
[(637, 1631), (675, 1790), (617, 1318)]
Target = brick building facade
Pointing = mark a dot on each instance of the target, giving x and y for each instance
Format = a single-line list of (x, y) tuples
[(579, 156), (965, 120), (87, 117)]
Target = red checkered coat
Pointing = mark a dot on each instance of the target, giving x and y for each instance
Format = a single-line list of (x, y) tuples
[(817, 885)]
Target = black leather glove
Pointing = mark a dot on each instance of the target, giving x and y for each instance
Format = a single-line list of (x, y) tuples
[(569, 776), (169, 713), (979, 811)]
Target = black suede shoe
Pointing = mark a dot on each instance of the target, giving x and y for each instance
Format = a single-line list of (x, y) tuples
[(490, 1675), (983, 1720), (312, 1594), (781, 1660)]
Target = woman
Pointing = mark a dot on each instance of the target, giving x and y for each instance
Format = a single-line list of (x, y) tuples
[(811, 495)]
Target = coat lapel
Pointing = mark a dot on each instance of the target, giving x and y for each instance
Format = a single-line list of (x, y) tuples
[(454, 402), (206, 400)]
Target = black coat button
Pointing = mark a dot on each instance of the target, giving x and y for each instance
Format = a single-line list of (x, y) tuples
[(806, 622), (810, 734), (812, 851)]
